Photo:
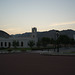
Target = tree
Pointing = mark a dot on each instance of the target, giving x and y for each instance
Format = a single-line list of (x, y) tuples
[(31, 43), (52, 41), (38, 43), (72, 41), (63, 39), (15, 43), (45, 41)]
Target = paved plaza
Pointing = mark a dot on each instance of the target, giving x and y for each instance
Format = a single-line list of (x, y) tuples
[(36, 64)]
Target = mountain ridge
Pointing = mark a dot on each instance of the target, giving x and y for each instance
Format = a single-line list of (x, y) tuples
[(4, 34), (50, 33)]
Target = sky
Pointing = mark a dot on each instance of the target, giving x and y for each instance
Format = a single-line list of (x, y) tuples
[(20, 16)]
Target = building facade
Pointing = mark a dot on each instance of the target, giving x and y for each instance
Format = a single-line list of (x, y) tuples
[(23, 41)]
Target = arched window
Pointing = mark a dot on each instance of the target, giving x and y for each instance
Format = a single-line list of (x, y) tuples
[(9, 44), (1, 44), (21, 43), (5, 43)]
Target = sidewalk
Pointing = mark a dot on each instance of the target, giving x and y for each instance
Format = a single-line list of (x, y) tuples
[(62, 51)]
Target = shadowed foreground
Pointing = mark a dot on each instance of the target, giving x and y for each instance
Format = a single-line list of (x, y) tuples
[(36, 64)]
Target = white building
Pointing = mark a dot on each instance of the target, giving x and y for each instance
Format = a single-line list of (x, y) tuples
[(23, 41)]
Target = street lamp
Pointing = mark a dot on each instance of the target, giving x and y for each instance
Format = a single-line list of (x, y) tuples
[(57, 35)]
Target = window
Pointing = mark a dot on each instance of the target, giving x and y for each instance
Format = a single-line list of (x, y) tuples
[(9, 44), (1, 43), (21, 43), (5, 43)]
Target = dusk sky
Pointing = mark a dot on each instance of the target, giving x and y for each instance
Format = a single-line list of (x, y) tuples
[(19, 16)]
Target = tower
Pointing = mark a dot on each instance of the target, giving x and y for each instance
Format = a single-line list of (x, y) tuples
[(34, 32)]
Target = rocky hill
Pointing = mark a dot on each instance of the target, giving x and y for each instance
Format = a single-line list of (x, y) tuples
[(3, 34)]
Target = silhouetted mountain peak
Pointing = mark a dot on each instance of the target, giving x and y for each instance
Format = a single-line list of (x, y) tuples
[(4, 34)]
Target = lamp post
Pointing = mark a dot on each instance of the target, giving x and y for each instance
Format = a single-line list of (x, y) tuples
[(57, 35)]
